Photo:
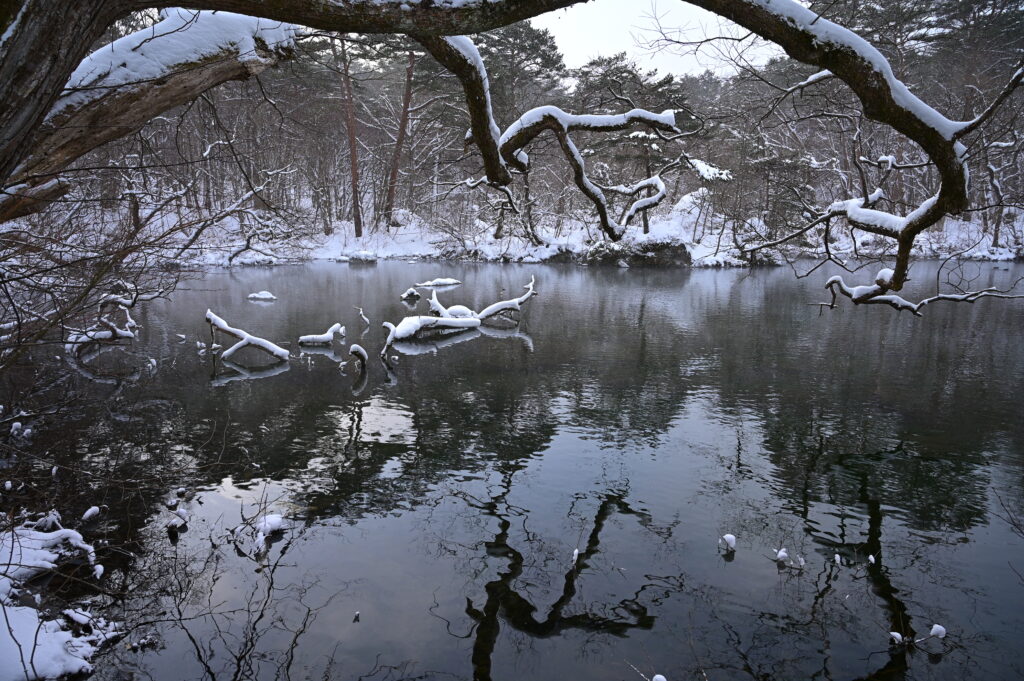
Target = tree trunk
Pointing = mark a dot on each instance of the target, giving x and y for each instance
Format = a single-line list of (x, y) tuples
[(350, 123), (43, 42), (650, 171), (396, 156)]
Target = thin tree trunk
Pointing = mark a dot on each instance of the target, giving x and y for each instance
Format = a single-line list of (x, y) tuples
[(647, 167), (350, 124), (396, 156)]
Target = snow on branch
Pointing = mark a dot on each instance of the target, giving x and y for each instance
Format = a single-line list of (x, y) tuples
[(324, 338), (508, 305), (878, 293), (455, 318), (644, 202), (106, 329), (502, 151), (808, 37), (533, 122), (121, 86), (459, 55), (244, 339)]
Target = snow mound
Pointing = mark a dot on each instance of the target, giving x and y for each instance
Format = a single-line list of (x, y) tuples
[(265, 296), (272, 522), (440, 281)]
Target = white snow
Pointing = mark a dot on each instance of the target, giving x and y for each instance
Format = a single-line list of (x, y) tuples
[(270, 523), (569, 122), (440, 281), (471, 54), (181, 38), (410, 326), (824, 31), (30, 647), (108, 332), (324, 338), (364, 256), (362, 316), (266, 296), (460, 311), (92, 512), (358, 351), (245, 339)]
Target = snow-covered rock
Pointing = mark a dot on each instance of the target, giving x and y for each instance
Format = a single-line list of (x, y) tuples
[(263, 296), (440, 281)]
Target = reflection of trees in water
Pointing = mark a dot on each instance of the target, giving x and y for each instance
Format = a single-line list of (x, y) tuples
[(830, 399), (252, 627), (518, 611), (831, 394)]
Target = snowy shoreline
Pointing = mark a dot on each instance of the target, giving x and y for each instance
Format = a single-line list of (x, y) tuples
[(685, 236)]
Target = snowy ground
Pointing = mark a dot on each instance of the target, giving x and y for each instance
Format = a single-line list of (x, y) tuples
[(686, 232), (37, 645)]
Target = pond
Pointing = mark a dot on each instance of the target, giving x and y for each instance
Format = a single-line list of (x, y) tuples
[(432, 509)]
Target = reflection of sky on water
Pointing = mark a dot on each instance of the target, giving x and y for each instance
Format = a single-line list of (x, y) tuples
[(643, 413)]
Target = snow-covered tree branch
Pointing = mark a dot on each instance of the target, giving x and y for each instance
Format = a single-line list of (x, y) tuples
[(452, 318), (120, 87)]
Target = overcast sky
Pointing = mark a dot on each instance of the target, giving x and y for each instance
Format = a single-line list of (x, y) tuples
[(604, 27)]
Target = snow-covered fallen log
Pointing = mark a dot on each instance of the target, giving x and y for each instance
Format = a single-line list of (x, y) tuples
[(455, 318), (508, 305), (324, 338), (456, 311), (410, 327), (359, 352), (244, 339), (440, 281)]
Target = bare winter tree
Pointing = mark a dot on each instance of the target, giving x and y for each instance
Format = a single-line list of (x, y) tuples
[(54, 104)]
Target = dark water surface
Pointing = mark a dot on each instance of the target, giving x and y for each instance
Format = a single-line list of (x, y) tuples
[(635, 415)]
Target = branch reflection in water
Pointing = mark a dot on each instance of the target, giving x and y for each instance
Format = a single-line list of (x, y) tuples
[(636, 417)]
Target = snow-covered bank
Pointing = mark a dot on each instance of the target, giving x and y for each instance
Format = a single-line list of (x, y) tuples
[(686, 234), (31, 645)]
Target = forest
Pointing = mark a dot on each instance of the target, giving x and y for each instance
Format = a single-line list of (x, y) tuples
[(371, 134), (371, 339)]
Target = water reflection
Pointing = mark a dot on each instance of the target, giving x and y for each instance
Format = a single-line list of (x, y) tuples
[(632, 416)]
